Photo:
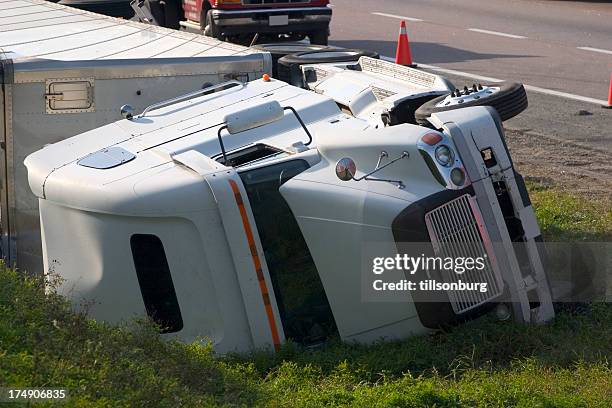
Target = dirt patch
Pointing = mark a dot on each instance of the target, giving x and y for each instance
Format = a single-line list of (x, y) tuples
[(554, 162)]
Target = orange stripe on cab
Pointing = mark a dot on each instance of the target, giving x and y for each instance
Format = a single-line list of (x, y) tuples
[(257, 264)]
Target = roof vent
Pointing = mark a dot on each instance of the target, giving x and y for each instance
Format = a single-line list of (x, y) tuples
[(107, 158)]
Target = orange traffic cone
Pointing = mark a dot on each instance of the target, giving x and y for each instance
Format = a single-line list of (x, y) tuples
[(402, 56), (609, 96)]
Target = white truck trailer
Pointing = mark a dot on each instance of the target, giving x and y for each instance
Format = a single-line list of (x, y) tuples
[(250, 216), (64, 71)]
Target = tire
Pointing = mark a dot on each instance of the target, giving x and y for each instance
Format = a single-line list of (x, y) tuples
[(172, 10), (319, 37), (113, 8), (289, 66), (157, 11), (210, 29), (279, 50), (160, 12), (508, 98)]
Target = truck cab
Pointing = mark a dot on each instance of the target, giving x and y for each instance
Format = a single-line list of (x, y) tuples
[(252, 215), (294, 19)]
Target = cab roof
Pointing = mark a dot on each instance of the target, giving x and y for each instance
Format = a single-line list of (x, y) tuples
[(189, 125)]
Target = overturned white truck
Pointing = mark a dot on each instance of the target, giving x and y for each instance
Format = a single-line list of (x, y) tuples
[(246, 216)]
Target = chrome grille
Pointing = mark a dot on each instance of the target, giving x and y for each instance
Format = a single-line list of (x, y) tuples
[(456, 230)]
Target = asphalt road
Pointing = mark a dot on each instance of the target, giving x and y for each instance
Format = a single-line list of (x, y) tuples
[(530, 41)]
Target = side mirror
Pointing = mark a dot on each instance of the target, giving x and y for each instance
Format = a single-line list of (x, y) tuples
[(256, 116), (346, 169), (253, 117), (127, 112)]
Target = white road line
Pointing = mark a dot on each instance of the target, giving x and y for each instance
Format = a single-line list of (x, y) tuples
[(595, 50), (479, 30), (398, 17), (565, 95), (460, 73), (531, 88)]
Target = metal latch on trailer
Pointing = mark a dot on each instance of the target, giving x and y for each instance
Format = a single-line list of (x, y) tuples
[(71, 95)]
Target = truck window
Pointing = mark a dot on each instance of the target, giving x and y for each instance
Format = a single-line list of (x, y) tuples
[(249, 154), (303, 306), (155, 282)]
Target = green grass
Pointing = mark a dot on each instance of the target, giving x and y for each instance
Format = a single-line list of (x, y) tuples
[(44, 344), (482, 363), (564, 216)]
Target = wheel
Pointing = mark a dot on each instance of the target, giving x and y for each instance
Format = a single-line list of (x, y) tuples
[(289, 66), (279, 50), (171, 14), (508, 98), (210, 29), (113, 8), (319, 37), (327, 56), (157, 11)]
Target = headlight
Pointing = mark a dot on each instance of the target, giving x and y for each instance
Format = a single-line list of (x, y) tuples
[(458, 176), (444, 155)]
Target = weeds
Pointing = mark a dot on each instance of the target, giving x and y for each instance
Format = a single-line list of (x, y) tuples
[(483, 363)]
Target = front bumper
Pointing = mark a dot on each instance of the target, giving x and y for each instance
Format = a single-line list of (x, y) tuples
[(303, 19), (492, 217), (505, 210)]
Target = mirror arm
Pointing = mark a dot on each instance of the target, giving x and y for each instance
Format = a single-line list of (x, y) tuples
[(301, 124), (384, 154), (297, 116), (221, 129)]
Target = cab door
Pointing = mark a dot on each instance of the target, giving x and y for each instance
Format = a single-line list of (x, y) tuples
[(302, 302)]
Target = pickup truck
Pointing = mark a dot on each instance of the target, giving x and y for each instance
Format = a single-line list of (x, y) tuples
[(235, 19)]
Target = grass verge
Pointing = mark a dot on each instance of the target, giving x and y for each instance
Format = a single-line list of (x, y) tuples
[(567, 217), (482, 363)]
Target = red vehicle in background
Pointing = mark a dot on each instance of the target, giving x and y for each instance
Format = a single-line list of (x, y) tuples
[(232, 19)]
